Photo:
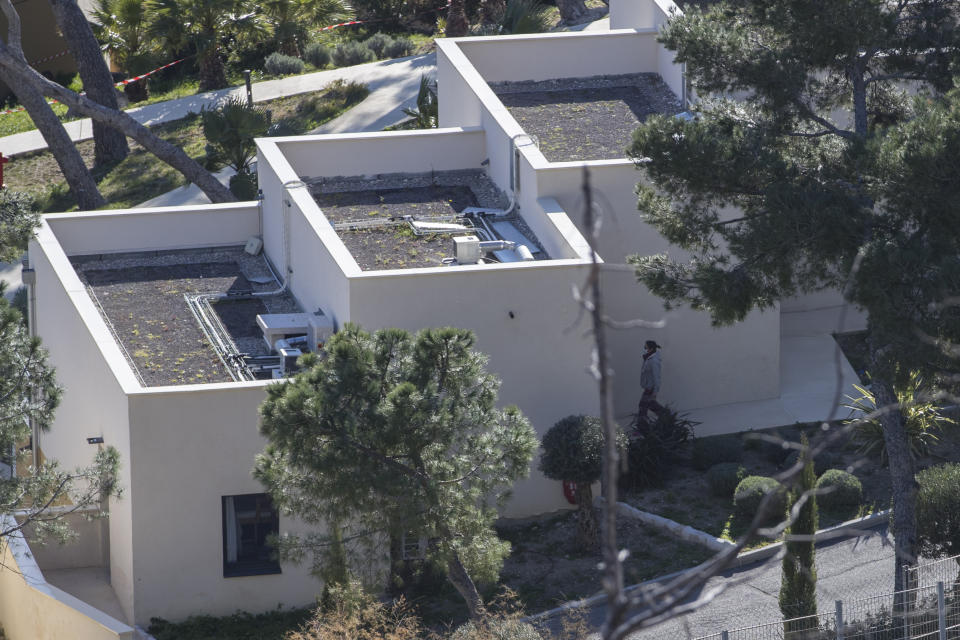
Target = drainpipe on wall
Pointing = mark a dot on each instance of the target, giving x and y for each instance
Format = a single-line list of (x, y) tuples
[(29, 278)]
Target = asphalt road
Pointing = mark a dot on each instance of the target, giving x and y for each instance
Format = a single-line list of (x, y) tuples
[(846, 570)]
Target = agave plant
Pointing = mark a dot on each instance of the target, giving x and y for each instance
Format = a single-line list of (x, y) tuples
[(923, 419)]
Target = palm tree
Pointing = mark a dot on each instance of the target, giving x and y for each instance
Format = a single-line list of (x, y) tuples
[(426, 114), (121, 28), (290, 20), (525, 16), (204, 25)]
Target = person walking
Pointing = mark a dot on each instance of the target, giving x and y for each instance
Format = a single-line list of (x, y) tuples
[(650, 380)]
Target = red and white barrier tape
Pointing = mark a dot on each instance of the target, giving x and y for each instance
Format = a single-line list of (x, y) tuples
[(49, 58), (149, 73)]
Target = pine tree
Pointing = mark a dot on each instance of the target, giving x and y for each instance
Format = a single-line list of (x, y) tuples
[(392, 434), (865, 207)]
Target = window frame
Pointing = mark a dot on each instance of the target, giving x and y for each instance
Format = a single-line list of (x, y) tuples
[(258, 568)]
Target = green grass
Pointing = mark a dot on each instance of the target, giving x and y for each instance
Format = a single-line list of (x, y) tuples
[(19, 121), (142, 176), (272, 625)]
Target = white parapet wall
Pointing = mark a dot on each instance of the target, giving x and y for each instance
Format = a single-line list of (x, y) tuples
[(33, 609)]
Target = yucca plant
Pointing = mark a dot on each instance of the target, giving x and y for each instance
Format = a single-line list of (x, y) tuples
[(923, 419)]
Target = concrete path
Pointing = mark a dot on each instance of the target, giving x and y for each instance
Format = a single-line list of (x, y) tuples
[(847, 570), (377, 75), (393, 85), (10, 274)]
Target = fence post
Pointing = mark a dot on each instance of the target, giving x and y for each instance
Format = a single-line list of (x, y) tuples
[(941, 611), (839, 621), (724, 635)]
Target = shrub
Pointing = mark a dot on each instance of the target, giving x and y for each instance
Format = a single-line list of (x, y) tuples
[(317, 54), (349, 92), (347, 54), (723, 478), (751, 491), (938, 511), (399, 48), (573, 451), (710, 451), (839, 491), (654, 447), (378, 43), (244, 185), (230, 130), (496, 629), (350, 613), (768, 445), (278, 64), (525, 16)]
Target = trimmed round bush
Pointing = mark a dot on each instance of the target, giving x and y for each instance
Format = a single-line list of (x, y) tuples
[(399, 48), (573, 450), (317, 54), (710, 451), (497, 629), (750, 492), (278, 64), (938, 511), (244, 185), (378, 43), (839, 491), (723, 478), (347, 54)]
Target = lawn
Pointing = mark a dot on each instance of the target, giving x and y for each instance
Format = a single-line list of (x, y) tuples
[(141, 176)]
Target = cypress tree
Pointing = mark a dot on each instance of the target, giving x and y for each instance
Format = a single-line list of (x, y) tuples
[(798, 586)]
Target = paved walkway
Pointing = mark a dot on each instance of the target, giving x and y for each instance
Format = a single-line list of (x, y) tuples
[(847, 570), (388, 81)]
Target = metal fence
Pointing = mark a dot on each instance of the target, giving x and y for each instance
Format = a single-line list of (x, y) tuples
[(930, 611)]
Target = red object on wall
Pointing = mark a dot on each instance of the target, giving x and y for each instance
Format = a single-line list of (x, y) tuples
[(570, 491), (3, 161)]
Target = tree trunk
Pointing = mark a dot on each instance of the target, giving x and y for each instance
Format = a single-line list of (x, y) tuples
[(456, 20), (903, 485), (571, 11), (17, 73), (462, 581), (588, 536), (71, 163), (493, 11), (109, 144), (212, 75)]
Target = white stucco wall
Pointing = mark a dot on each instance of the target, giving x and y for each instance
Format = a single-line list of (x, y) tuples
[(541, 354), (94, 403), (190, 446), (547, 56)]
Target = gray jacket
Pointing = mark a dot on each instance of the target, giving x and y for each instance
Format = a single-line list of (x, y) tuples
[(650, 373)]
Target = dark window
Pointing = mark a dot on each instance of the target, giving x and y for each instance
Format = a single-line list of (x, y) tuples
[(248, 521)]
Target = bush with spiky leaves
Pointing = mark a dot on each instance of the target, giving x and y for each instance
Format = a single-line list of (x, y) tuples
[(230, 130)]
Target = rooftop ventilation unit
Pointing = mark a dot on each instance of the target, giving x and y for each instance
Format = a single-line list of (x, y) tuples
[(288, 358), (280, 325), (466, 249)]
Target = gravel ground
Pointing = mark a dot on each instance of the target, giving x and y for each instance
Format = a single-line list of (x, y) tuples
[(586, 118), (142, 296)]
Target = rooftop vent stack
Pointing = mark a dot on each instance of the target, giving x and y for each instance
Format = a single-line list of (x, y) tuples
[(319, 329)]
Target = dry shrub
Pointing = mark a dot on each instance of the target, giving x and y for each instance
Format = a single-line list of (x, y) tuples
[(353, 615)]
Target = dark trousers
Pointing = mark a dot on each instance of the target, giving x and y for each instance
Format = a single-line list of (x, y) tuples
[(648, 403)]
